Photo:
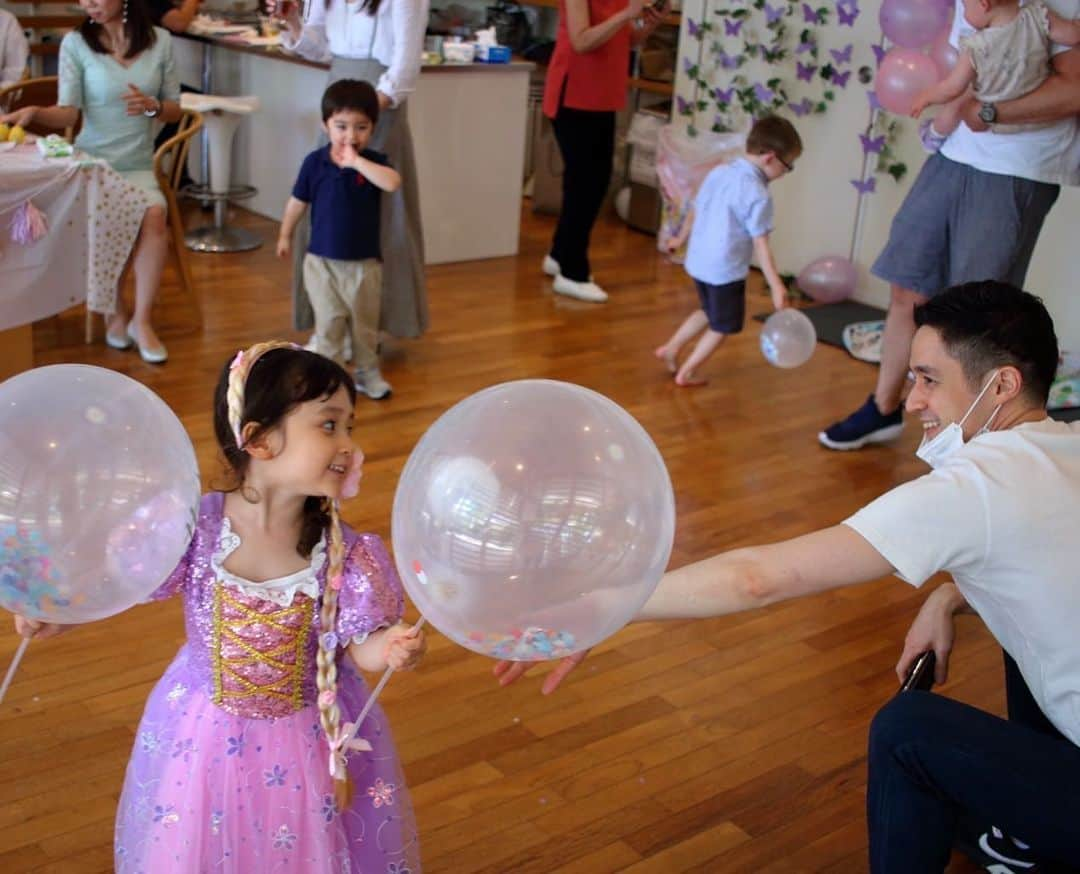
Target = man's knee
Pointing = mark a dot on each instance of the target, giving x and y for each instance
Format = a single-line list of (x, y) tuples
[(905, 718)]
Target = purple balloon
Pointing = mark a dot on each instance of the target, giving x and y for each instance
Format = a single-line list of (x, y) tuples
[(913, 24), (902, 75), (943, 54), (828, 279)]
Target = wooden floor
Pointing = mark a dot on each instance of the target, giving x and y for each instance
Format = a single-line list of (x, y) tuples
[(730, 745)]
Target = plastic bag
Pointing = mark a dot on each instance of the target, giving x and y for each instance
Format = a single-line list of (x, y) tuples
[(682, 163)]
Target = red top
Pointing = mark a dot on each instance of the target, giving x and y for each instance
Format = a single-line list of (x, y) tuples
[(594, 80)]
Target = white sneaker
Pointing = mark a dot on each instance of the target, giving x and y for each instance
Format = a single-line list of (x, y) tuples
[(588, 291), (371, 383)]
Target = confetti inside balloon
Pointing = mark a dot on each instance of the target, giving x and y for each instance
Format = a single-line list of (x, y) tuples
[(99, 491)]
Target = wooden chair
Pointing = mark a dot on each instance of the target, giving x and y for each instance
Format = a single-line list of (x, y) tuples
[(169, 161), (42, 91)]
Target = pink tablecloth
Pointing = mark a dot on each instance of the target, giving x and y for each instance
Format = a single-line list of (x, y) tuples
[(93, 215)]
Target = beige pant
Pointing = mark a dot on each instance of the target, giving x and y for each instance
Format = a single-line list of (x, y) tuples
[(346, 296)]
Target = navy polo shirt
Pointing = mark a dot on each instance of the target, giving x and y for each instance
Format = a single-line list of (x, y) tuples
[(344, 207)]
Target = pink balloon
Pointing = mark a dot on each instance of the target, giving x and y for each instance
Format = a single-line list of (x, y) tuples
[(943, 54), (913, 24), (902, 75), (828, 279)]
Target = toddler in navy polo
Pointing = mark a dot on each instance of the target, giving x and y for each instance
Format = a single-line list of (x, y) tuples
[(730, 222), (342, 267)]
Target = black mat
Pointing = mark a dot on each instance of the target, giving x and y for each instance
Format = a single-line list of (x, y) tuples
[(1070, 415), (830, 319)]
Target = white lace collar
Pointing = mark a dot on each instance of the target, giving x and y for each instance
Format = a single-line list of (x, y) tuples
[(280, 591)]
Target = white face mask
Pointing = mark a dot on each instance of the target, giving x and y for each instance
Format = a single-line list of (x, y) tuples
[(938, 449)]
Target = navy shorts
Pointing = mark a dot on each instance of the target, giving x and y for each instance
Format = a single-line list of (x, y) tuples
[(959, 224), (725, 305)]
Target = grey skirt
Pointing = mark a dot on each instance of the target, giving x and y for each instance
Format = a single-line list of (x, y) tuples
[(404, 311)]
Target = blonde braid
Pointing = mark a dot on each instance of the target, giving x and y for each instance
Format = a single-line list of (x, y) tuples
[(238, 374), (326, 677)]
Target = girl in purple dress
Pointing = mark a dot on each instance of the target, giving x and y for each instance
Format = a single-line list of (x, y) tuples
[(239, 761)]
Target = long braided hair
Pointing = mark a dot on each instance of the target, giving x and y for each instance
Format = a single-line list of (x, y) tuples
[(260, 386)]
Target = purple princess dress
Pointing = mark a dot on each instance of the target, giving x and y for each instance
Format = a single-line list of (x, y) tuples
[(230, 768)]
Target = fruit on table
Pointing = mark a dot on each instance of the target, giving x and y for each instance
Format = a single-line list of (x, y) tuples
[(4, 131), (16, 135)]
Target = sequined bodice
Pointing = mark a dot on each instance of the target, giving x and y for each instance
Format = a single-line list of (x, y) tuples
[(260, 636), (259, 652)]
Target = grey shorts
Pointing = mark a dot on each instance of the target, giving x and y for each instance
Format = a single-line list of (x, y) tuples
[(959, 224)]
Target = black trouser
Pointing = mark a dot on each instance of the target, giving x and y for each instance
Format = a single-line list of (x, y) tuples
[(587, 143)]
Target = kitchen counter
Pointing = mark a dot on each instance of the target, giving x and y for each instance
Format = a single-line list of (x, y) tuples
[(468, 123)]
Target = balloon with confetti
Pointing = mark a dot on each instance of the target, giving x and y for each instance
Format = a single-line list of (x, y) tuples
[(99, 490), (533, 520)]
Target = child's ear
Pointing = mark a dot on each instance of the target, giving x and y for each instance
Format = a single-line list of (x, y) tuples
[(258, 445)]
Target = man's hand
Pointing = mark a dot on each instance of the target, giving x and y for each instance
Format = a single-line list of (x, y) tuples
[(509, 672), (932, 629), (969, 114)]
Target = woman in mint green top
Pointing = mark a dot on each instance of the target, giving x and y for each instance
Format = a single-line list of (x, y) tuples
[(117, 70)]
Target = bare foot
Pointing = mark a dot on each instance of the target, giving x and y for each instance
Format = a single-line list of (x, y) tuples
[(688, 380), (668, 357)]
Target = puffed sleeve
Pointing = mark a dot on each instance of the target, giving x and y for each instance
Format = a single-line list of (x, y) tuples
[(70, 69), (371, 595)]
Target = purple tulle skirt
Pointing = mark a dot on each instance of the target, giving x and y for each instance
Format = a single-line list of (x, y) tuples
[(209, 791)]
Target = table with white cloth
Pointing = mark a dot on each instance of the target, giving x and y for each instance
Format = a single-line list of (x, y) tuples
[(93, 217)]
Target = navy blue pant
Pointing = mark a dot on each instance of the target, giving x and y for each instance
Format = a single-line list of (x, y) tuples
[(933, 760)]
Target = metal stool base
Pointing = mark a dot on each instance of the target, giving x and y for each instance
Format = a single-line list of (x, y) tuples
[(224, 239)]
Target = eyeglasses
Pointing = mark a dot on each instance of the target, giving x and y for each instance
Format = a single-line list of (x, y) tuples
[(787, 166)]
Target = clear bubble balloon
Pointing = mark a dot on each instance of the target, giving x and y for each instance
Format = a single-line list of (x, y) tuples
[(913, 24), (788, 338), (533, 520), (99, 490), (902, 75), (828, 279)]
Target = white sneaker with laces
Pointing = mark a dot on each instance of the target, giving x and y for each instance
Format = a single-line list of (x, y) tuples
[(371, 383), (587, 291)]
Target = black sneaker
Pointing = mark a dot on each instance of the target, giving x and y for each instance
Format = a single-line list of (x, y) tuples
[(865, 425)]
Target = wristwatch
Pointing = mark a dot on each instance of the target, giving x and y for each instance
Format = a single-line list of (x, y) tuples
[(156, 111), (988, 113)]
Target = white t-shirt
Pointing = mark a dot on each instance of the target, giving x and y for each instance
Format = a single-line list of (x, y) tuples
[(1003, 517), (394, 37), (1047, 154)]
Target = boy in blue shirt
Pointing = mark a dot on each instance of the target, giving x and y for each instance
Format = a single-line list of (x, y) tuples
[(342, 267), (730, 221)]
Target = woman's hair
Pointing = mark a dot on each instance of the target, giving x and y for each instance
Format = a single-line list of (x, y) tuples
[(138, 28), (262, 385), (351, 94), (992, 324)]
